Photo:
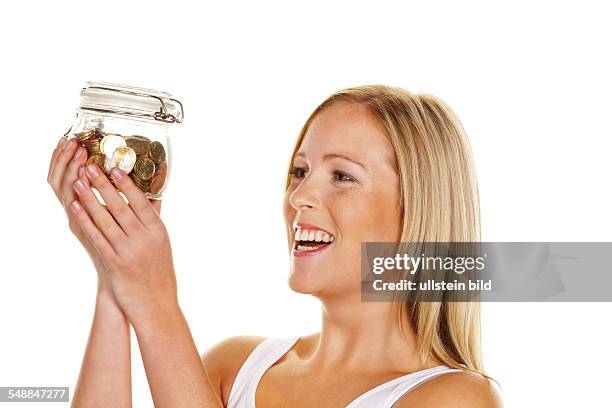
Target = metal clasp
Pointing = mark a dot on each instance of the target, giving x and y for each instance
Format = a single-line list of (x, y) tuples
[(162, 115)]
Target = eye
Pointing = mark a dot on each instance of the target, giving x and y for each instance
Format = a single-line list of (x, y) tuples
[(298, 172), (343, 177)]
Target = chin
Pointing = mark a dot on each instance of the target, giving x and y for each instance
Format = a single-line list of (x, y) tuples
[(304, 282), (299, 282)]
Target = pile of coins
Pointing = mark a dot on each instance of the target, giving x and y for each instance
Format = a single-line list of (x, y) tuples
[(143, 160)]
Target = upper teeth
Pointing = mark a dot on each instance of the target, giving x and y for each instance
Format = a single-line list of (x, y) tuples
[(313, 235)]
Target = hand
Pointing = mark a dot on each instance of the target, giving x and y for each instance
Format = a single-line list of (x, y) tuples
[(131, 240), (64, 166)]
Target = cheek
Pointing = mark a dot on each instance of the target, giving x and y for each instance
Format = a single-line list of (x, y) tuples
[(289, 216), (371, 216)]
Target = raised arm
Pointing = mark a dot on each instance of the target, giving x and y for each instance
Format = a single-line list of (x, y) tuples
[(105, 376), (134, 245)]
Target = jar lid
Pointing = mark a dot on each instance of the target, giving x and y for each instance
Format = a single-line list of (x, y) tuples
[(143, 103)]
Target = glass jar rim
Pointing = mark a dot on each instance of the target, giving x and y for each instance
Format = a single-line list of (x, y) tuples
[(143, 103)]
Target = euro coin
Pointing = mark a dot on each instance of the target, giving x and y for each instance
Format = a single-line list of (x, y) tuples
[(110, 143), (139, 145), (144, 168), (85, 134), (141, 184), (92, 145), (96, 159), (124, 158), (157, 152)]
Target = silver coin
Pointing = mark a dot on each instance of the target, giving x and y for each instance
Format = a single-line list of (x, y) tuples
[(124, 158), (110, 143)]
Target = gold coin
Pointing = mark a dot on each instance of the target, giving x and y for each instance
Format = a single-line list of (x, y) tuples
[(96, 159), (157, 152), (139, 145), (142, 185), (144, 168), (110, 143), (92, 146), (124, 158), (85, 134)]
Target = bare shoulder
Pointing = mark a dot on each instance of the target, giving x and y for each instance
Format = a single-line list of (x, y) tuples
[(224, 359), (453, 390)]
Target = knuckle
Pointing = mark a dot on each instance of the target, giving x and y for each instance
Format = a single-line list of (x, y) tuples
[(142, 207), (99, 181), (107, 223), (122, 211), (74, 227), (123, 261)]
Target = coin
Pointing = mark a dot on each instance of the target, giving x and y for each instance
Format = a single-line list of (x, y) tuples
[(111, 142), (143, 160), (85, 134), (96, 159), (144, 168), (139, 145), (123, 157), (159, 178), (92, 145), (157, 152), (141, 184)]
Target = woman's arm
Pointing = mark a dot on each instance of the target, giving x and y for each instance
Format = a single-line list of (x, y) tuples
[(105, 376), (134, 245), (172, 363)]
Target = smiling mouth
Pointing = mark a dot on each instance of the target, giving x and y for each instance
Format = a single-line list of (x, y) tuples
[(309, 242)]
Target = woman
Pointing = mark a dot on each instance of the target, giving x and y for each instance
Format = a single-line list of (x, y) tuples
[(372, 163)]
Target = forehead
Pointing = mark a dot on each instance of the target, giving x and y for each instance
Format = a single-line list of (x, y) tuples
[(348, 128)]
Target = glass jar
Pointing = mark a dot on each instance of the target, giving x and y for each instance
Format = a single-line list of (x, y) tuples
[(129, 128)]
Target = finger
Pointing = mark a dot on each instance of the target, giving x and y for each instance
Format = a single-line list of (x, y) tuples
[(71, 175), (59, 167), (94, 235), (55, 153), (99, 214), (140, 204), (156, 205), (114, 202)]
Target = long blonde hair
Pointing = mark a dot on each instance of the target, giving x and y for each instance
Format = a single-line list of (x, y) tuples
[(438, 201)]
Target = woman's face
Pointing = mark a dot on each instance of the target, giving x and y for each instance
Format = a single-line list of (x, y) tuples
[(344, 183)]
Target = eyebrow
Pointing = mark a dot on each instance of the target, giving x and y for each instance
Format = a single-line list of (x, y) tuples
[(330, 156)]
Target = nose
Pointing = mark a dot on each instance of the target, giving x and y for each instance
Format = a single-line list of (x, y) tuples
[(305, 196)]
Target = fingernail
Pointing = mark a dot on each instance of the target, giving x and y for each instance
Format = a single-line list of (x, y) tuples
[(81, 171), (78, 154), (76, 207), (62, 140), (68, 144), (80, 187), (116, 173), (92, 169)]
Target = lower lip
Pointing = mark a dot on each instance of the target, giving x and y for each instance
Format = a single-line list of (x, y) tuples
[(295, 252)]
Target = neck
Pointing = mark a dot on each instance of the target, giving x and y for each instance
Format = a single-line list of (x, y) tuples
[(363, 336)]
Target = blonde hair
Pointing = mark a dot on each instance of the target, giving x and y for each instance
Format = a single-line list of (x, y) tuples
[(438, 203)]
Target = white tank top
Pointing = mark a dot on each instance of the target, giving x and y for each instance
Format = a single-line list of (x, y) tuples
[(271, 350)]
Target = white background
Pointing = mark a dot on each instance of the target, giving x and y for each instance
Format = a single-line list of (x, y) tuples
[(529, 80)]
